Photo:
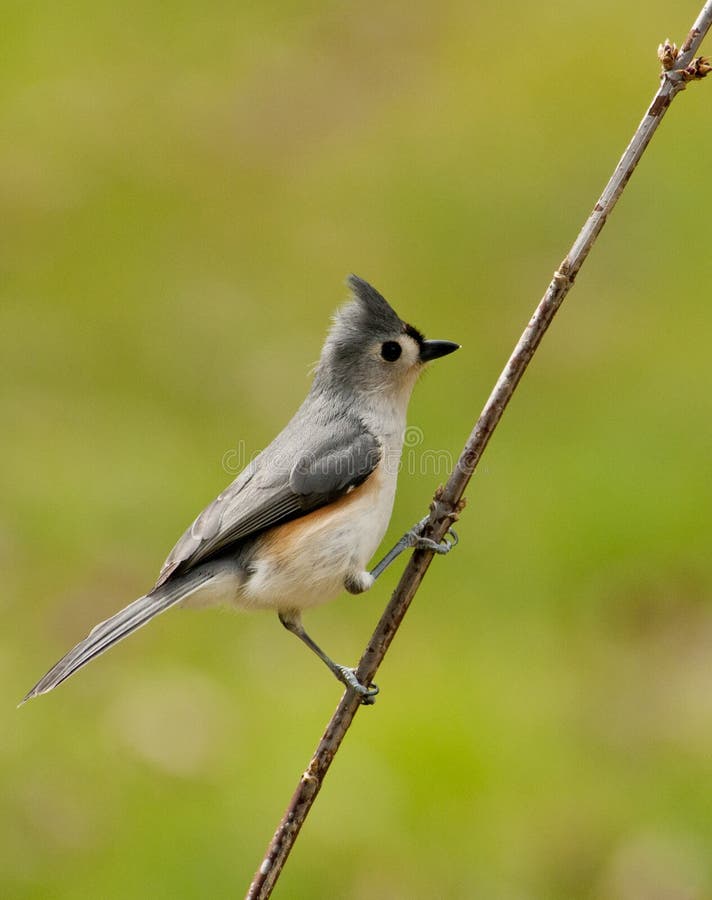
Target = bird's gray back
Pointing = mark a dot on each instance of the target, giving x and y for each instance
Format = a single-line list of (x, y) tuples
[(323, 451)]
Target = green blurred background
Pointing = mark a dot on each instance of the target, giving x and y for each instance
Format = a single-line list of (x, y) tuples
[(183, 188)]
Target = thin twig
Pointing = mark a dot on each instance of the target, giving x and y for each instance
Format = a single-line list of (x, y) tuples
[(679, 67)]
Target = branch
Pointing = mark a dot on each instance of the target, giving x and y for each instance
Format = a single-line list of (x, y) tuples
[(679, 67)]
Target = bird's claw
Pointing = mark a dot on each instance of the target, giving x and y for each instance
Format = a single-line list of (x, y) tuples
[(445, 546), (422, 543), (348, 677)]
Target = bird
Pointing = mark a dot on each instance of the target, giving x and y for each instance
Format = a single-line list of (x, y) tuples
[(300, 523)]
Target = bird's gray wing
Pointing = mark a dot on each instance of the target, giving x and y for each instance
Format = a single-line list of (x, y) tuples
[(265, 494)]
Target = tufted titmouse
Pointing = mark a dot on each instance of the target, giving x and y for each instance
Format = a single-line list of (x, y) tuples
[(301, 522)]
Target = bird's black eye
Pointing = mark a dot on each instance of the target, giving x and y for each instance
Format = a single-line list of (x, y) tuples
[(391, 350)]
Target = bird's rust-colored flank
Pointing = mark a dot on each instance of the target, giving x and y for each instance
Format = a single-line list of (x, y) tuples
[(282, 540)]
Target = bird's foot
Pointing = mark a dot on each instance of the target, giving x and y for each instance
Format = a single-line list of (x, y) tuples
[(418, 542), (348, 677)]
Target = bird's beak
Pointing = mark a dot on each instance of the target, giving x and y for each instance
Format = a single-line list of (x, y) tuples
[(435, 349)]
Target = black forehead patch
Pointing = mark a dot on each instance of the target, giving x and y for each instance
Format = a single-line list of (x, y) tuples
[(413, 332)]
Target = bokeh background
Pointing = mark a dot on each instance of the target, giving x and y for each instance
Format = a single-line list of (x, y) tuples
[(184, 187)]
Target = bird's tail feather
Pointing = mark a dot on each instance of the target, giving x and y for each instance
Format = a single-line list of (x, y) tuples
[(106, 634)]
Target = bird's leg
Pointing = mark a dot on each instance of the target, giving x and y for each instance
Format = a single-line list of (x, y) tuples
[(292, 621), (414, 538)]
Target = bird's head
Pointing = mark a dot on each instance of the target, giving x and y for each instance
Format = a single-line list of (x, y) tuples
[(371, 350)]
